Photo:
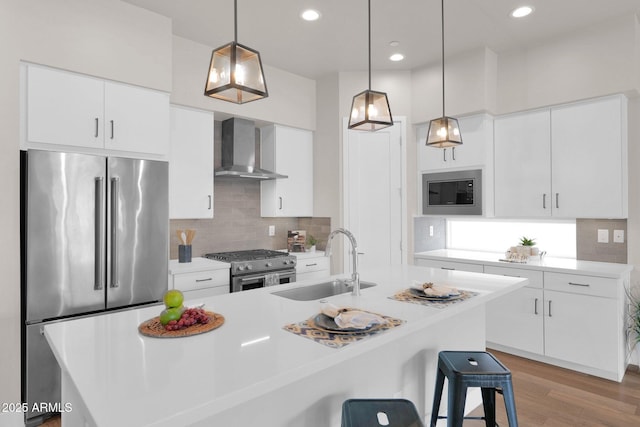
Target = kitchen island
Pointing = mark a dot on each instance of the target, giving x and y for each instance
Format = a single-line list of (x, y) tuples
[(251, 371)]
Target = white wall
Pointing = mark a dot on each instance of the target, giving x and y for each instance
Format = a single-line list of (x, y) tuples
[(291, 100), (599, 60)]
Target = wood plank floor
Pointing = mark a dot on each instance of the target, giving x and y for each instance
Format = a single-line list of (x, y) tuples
[(555, 397)]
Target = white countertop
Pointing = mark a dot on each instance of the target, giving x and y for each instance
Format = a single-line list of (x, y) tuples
[(127, 379), (196, 264), (558, 265)]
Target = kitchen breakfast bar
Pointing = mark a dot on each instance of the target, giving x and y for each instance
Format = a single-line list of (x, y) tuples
[(252, 371)]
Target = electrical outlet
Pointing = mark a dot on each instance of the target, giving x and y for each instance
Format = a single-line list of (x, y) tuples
[(431, 231), (603, 236), (618, 236), (272, 230)]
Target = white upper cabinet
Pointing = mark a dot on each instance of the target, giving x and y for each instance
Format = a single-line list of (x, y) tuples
[(589, 159), (136, 119), (565, 162), (475, 151), (287, 151), (191, 164), (522, 169), (70, 109)]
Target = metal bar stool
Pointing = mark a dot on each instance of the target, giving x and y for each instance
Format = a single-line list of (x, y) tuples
[(465, 369), (380, 412)]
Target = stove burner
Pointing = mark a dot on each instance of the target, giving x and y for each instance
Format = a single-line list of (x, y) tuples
[(249, 255)]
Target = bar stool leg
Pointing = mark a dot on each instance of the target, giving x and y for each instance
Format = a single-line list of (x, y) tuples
[(489, 405), (437, 397), (510, 404), (457, 400)]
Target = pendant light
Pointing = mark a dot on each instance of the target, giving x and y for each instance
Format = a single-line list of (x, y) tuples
[(443, 132), (235, 71), (370, 109)]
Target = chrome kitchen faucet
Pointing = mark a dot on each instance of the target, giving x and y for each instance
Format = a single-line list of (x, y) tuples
[(355, 276)]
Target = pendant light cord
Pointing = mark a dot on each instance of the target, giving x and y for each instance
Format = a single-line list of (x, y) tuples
[(442, 26), (235, 21), (369, 44)]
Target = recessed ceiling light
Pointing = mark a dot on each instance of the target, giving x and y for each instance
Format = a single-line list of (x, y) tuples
[(310, 15), (521, 11), (396, 57)]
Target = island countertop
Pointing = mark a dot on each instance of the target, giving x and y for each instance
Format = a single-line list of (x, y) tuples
[(123, 378)]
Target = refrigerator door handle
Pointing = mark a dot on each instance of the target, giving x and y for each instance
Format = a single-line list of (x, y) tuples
[(115, 182), (99, 237)]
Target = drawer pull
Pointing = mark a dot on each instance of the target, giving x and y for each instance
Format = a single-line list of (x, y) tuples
[(204, 280), (311, 265), (584, 285), (535, 306), (510, 275), (447, 268)]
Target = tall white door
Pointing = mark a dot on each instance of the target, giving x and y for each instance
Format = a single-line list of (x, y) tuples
[(373, 195)]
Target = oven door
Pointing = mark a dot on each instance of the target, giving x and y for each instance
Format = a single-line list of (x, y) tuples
[(261, 280)]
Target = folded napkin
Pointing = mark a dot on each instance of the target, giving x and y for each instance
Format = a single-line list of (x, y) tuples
[(352, 317), (433, 290)]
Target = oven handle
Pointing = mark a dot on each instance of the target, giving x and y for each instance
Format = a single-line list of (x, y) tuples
[(282, 273)]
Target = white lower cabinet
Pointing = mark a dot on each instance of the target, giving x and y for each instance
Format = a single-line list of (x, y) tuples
[(449, 265), (574, 321), (516, 319), (312, 267), (199, 278)]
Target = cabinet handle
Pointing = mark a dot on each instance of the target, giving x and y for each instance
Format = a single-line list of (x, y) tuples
[(280, 202), (97, 121), (544, 201), (210, 200), (311, 265), (549, 308), (453, 153), (584, 285), (444, 154), (111, 128), (557, 203), (510, 275), (535, 306), (447, 268), (204, 280)]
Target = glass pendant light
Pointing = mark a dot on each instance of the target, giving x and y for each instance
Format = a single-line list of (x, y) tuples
[(235, 71), (444, 131), (370, 109)]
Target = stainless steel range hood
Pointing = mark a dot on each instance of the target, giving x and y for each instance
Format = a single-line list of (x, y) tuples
[(239, 152)]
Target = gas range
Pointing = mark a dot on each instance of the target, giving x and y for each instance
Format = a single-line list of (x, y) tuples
[(257, 268)]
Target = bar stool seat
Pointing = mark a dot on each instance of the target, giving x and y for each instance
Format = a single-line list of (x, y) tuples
[(464, 369), (380, 412)]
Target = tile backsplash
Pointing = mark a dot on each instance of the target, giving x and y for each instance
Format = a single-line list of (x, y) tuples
[(589, 249), (237, 224)]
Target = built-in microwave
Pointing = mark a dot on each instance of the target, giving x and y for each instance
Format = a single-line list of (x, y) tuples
[(452, 193)]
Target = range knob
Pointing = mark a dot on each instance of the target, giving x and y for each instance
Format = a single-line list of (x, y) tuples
[(249, 267), (240, 268), (268, 264)]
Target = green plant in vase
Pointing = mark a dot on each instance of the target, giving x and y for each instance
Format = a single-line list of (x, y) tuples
[(525, 241), (311, 243), (528, 246)]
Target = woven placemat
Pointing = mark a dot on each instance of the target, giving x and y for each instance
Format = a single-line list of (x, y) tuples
[(309, 330), (406, 296), (153, 327)]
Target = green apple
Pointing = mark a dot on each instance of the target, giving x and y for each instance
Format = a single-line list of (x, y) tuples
[(171, 314), (173, 298)]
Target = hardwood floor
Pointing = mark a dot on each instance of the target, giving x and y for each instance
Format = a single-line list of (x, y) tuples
[(555, 397)]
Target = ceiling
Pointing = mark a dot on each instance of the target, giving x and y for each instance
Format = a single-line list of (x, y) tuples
[(338, 40)]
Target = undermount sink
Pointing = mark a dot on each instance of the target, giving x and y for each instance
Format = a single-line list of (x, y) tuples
[(320, 290)]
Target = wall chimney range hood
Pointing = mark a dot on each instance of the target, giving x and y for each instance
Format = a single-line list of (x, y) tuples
[(239, 152)]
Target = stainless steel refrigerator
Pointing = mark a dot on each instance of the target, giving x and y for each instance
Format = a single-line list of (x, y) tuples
[(94, 237)]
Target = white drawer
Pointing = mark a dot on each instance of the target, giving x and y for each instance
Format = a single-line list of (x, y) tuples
[(312, 264), (449, 265), (578, 284), (535, 277), (201, 280)]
